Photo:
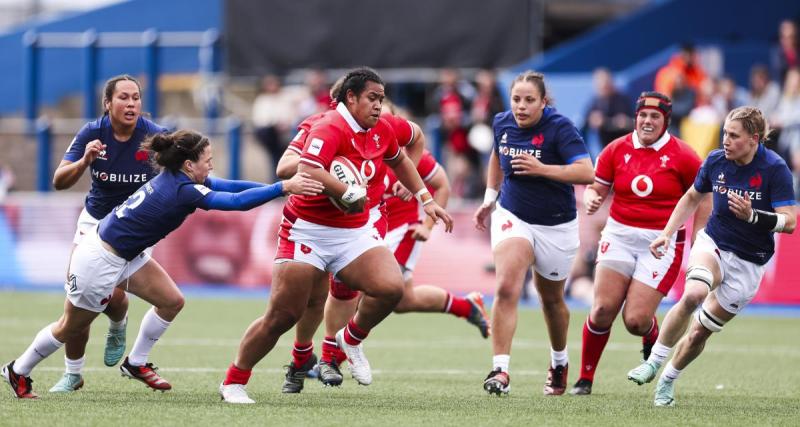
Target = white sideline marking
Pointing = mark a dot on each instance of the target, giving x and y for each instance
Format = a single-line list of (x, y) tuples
[(420, 372)]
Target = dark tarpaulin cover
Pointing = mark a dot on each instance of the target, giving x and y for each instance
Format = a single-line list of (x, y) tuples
[(278, 35)]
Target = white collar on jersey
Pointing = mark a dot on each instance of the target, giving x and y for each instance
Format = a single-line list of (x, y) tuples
[(341, 109), (655, 146)]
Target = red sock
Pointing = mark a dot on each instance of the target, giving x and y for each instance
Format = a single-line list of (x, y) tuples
[(301, 353), (594, 341), (457, 306), (330, 350), (235, 375), (353, 335), (651, 336)]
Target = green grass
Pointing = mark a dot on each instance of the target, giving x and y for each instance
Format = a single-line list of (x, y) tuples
[(428, 370)]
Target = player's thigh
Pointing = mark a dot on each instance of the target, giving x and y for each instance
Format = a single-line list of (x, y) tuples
[(152, 284), (713, 306), (293, 284), (375, 269), (550, 291), (512, 259), (610, 288), (641, 303)]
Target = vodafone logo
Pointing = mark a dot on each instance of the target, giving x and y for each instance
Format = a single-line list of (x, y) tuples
[(642, 185), (368, 169)]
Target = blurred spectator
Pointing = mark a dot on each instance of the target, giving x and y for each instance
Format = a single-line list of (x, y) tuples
[(319, 98), (786, 117), (487, 102), (764, 93), (725, 96), (683, 63), (449, 124), (446, 106), (609, 116), (702, 129), (684, 98), (785, 55), (273, 118)]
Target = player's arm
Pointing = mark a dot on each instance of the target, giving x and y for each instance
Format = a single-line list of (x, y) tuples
[(579, 171), (686, 206), (494, 177), (783, 220), (441, 194), (231, 185), (287, 165), (415, 148), (701, 216), (407, 175), (594, 195), (69, 172), (256, 196)]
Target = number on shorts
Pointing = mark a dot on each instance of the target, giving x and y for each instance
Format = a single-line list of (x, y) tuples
[(133, 201)]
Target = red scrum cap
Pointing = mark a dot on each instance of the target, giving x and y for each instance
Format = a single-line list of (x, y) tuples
[(655, 100)]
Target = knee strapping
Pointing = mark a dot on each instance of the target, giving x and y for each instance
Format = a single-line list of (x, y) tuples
[(709, 321), (702, 274)]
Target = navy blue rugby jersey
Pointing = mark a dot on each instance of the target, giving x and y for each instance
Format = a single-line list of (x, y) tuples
[(155, 210), (554, 140), (768, 182), (118, 172)]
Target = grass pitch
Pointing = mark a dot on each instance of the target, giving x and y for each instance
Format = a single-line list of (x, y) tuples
[(428, 370)]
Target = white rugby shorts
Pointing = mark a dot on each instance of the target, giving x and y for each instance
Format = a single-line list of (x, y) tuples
[(554, 246), (326, 248), (94, 272), (626, 249), (740, 278)]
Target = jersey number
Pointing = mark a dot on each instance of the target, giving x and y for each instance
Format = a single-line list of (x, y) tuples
[(133, 201)]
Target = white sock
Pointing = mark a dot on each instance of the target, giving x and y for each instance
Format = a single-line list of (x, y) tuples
[(117, 326), (74, 366), (501, 361), (151, 330), (558, 358), (42, 346), (670, 373), (659, 353)]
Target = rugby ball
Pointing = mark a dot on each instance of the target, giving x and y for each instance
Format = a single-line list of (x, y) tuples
[(346, 172)]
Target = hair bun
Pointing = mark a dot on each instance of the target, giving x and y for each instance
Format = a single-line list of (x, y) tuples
[(161, 142)]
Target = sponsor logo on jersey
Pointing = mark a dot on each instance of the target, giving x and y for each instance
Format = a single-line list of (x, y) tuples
[(511, 151), (655, 274), (538, 140), (105, 300), (504, 138), (642, 185), (721, 178), (315, 146), (604, 247), (507, 225), (721, 189), (627, 158), (305, 249), (123, 178)]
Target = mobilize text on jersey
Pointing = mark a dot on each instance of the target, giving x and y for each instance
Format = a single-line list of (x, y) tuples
[(131, 178), (721, 189)]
